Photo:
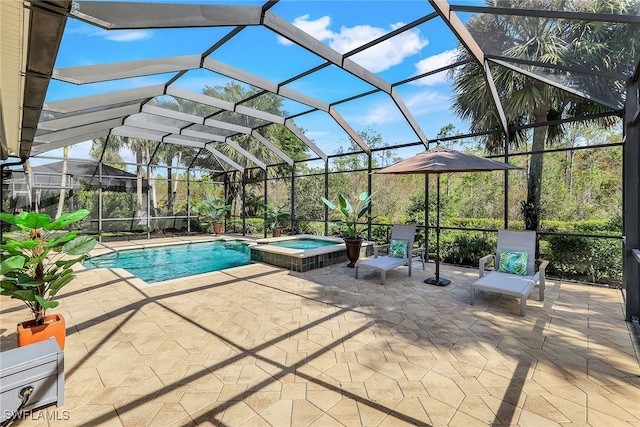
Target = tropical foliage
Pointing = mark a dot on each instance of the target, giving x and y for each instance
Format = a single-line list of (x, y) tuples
[(276, 215), (213, 208), (352, 213), (35, 268), (526, 100)]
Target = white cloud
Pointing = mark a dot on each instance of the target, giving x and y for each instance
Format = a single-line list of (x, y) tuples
[(378, 114), (319, 28), (113, 35), (391, 52), (427, 102), (433, 63), (419, 103), (350, 38), (378, 58), (128, 36)]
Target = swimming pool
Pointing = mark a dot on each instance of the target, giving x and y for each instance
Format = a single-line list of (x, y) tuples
[(171, 262)]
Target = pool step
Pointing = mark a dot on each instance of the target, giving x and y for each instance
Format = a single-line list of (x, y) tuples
[(106, 260)]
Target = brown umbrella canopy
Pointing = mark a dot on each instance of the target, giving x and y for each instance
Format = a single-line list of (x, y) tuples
[(443, 160)]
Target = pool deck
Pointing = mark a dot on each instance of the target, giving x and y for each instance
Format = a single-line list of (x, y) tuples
[(162, 241), (262, 346)]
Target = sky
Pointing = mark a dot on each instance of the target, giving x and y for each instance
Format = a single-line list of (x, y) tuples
[(341, 25)]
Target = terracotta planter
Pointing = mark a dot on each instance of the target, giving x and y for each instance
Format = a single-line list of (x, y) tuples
[(277, 231), (353, 250), (54, 326), (217, 228)]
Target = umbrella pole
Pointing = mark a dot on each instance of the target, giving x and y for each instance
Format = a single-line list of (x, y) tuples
[(437, 280), (438, 229)]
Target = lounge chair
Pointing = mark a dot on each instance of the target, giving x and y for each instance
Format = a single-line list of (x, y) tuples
[(514, 272), (400, 251)]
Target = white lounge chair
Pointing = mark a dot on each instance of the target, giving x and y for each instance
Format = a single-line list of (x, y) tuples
[(401, 236), (518, 285)]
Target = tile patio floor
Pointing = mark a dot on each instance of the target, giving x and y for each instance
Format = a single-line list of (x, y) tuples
[(262, 346)]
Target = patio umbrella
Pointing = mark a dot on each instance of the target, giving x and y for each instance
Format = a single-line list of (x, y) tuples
[(436, 161)]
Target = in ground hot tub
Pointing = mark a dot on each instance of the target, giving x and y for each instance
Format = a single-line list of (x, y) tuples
[(304, 252)]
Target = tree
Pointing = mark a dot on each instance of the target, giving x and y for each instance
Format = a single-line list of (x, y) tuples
[(140, 147), (110, 153), (253, 204), (527, 100), (168, 152), (374, 140), (277, 134), (63, 180)]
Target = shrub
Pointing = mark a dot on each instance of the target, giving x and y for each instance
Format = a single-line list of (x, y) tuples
[(255, 226), (381, 234), (485, 223), (467, 248), (585, 258)]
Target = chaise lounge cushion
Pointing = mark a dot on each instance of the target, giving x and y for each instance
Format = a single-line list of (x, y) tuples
[(383, 263), (506, 283)]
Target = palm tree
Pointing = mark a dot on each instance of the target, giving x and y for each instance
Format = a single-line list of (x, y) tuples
[(277, 134), (169, 152), (140, 147), (253, 204), (109, 153), (63, 180), (527, 100)]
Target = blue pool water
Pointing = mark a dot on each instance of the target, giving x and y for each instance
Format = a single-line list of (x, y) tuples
[(170, 262), (303, 243)]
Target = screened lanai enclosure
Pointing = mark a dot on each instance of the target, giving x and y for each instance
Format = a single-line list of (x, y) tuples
[(141, 111)]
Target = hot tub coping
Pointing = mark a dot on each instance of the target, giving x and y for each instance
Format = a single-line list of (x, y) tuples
[(263, 245)]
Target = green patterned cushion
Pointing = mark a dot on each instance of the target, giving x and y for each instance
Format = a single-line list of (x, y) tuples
[(513, 262), (398, 248)]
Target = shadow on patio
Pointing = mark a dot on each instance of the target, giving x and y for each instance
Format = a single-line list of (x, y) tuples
[(258, 345)]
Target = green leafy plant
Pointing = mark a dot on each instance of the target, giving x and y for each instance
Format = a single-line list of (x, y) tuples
[(213, 207), (252, 226), (276, 215), (584, 258), (466, 248), (352, 213), (34, 269)]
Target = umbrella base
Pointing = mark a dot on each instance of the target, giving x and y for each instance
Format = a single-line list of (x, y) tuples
[(437, 282)]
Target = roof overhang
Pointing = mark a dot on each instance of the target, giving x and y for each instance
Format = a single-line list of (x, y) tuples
[(13, 26), (30, 37)]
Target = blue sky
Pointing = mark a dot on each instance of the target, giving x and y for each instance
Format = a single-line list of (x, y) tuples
[(342, 25)]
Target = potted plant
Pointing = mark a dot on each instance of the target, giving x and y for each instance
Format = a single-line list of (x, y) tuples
[(215, 208), (275, 216), (352, 213), (35, 268)]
